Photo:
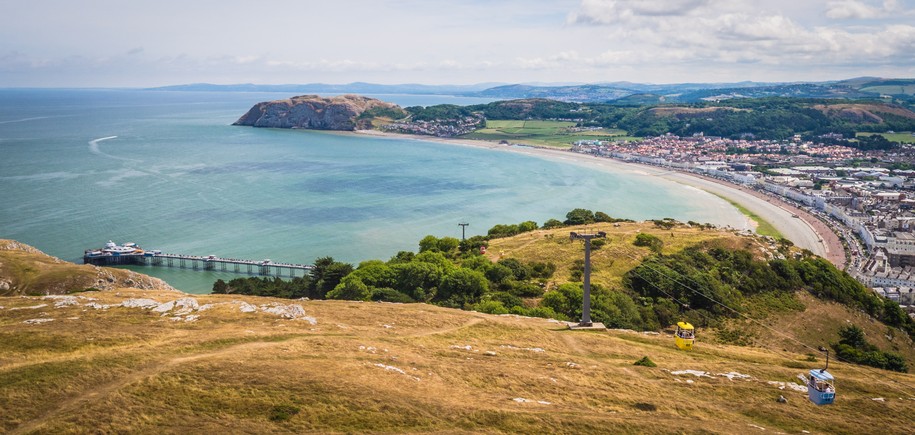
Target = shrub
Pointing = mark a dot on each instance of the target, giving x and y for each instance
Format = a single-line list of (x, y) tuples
[(283, 412), (649, 241), (645, 362), (390, 295), (490, 307)]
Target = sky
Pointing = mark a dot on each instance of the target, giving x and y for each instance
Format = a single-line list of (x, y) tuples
[(116, 43)]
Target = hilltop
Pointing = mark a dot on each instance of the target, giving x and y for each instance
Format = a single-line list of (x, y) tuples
[(343, 112)]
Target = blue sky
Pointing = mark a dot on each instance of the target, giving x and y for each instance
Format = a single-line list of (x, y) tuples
[(108, 43)]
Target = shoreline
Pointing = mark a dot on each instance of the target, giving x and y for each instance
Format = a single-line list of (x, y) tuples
[(805, 230)]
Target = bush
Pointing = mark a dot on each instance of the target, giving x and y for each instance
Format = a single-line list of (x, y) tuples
[(283, 412), (645, 362), (649, 241), (853, 347), (526, 290), (390, 295), (490, 307), (553, 223)]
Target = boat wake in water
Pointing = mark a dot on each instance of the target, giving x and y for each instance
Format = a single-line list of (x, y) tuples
[(94, 149)]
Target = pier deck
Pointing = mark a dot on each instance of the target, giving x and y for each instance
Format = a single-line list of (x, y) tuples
[(203, 263)]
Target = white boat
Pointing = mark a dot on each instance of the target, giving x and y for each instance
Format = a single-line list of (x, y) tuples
[(112, 248)]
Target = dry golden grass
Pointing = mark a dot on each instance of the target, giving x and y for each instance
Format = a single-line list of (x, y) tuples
[(617, 256), (380, 367), (26, 270)]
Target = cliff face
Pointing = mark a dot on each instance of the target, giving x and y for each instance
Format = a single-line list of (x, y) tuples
[(314, 112)]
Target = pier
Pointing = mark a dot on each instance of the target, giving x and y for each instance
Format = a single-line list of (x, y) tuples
[(130, 254)]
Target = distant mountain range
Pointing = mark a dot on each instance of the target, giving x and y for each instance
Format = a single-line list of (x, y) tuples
[(624, 93), (349, 88)]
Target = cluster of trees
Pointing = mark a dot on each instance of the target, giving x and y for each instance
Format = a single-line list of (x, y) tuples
[(873, 142), (713, 282), (532, 109), (383, 112), (444, 272), (853, 347), (439, 112), (762, 118), (325, 276)]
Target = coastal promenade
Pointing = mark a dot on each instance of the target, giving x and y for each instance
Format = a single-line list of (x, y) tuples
[(805, 230)]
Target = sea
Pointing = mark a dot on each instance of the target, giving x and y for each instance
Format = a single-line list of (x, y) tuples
[(168, 171)]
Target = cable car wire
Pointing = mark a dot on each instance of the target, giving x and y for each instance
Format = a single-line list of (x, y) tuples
[(786, 336)]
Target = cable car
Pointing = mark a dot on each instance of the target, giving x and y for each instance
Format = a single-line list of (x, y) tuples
[(685, 335), (821, 388)]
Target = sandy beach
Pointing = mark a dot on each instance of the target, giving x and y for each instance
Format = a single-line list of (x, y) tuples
[(802, 228)]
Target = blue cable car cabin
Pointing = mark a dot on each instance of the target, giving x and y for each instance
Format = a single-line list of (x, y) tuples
[(821, 387)]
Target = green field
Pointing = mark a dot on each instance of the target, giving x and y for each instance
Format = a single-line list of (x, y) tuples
[(891, 89), (901, 137), (542, 133)]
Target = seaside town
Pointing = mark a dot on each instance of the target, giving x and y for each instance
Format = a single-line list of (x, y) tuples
[(866, 197)]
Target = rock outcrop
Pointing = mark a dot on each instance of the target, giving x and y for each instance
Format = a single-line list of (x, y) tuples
[(318, 113)]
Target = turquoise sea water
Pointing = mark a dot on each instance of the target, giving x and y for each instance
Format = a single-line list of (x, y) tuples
[(167, 170)]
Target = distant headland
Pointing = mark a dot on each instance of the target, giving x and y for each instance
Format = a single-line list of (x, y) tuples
[(343, 112)]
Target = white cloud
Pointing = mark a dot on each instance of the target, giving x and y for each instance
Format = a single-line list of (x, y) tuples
[(698, 31), (857, 9), (390, 41), (615, 11)]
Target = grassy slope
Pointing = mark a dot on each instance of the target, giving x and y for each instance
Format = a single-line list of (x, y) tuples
[(614, 259), (902, 137), (132, 370), (30, 271), (818, 325)]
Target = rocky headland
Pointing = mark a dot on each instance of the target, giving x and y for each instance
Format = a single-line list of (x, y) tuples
[(343, 112), (25, 270)]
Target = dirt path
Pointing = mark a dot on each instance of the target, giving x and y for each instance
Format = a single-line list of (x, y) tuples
[(569, 339), (146, 371), (467, 324)]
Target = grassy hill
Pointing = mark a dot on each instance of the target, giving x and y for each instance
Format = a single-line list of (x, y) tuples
[(816, 324), (619, 255), (103, 364), (25, 270), (132, 360)]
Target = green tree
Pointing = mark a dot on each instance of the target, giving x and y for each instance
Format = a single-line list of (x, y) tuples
[(553, 223), (428, 243), (350, 288), (579, 216), (417, 279), (325, 275), (565, 300), (462, 287), (527, 226), (649, 241)]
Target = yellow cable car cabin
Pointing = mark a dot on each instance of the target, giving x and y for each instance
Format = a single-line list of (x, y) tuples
[(685, 335)]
